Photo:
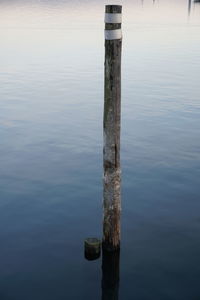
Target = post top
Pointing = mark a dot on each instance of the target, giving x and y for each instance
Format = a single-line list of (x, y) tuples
[(113, 9)]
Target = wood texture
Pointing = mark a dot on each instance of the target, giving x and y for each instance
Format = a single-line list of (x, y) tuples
[(111, 151)]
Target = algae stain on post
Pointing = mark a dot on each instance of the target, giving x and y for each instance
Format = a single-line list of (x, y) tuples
[(111, 127)]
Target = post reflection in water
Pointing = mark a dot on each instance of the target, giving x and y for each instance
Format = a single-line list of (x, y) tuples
[(189, 6), (110, 275)]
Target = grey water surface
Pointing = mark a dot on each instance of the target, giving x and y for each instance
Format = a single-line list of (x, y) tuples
[(51, 108)]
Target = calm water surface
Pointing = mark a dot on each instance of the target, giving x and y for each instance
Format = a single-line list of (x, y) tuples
[(51, 107)]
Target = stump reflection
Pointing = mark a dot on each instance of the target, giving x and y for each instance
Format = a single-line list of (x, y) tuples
[(110, 275)]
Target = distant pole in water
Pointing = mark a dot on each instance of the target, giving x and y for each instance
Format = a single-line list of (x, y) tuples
[(111, 126)]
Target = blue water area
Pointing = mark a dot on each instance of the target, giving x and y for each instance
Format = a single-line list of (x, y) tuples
[(51, 108)]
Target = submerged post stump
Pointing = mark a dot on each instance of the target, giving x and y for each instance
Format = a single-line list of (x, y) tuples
[(92, 248), (111, 126)]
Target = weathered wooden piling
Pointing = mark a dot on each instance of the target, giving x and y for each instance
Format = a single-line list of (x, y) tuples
[(111, 126)]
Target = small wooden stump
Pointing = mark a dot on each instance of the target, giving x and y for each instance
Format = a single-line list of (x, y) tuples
[(92, 248)]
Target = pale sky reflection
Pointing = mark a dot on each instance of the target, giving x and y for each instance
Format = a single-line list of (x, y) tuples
[(42, 29)]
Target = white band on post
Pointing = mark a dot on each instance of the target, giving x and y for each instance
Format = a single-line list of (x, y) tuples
[(113, 18), (115, 34)]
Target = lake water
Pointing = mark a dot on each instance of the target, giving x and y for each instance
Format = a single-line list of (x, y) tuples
[(51, 108)]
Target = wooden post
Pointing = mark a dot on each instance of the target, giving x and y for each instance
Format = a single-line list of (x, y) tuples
[(112, 116)]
